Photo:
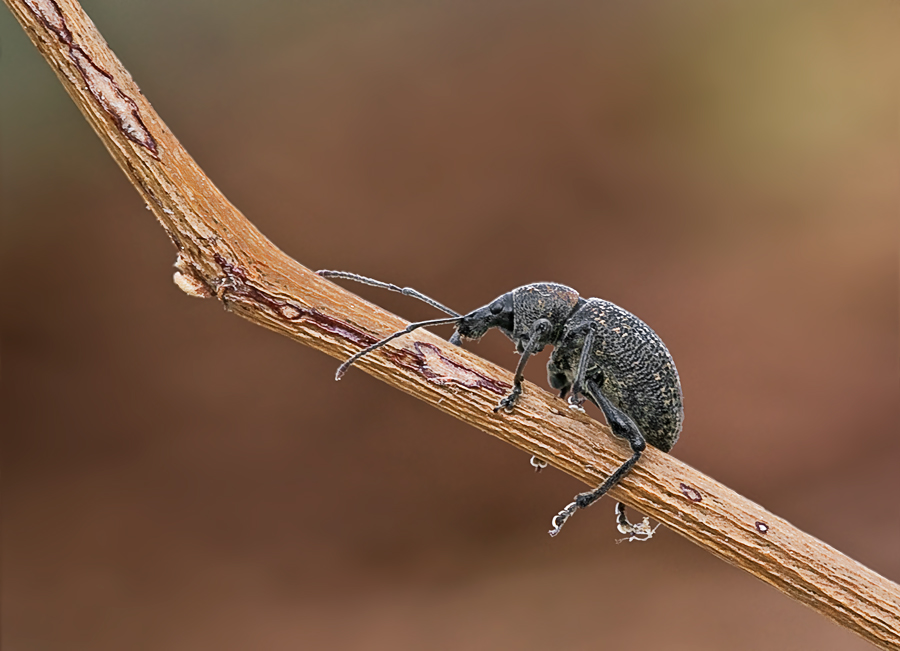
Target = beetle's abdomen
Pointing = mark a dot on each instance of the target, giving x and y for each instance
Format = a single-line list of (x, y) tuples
[(638, 373)]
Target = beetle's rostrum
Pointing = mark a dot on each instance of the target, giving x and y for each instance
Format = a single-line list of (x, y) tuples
[(602, 353)]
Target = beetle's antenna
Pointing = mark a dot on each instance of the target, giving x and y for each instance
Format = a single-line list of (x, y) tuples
[(412, 326), (406, 291)]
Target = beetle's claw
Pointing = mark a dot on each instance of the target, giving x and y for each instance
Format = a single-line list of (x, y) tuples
[(538, 464)]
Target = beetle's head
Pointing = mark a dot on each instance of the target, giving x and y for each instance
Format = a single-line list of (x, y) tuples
[(496, 314), (515, 313)]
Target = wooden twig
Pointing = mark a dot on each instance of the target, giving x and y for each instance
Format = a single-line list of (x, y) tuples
[(222, 255)]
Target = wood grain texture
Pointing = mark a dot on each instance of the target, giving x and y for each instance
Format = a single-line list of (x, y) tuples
[(220, 254)]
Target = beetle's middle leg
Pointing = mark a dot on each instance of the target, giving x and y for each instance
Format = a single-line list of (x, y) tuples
[(587, 349), (622, 426)]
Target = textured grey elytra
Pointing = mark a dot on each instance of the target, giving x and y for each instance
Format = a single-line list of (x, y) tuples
[(639, 375), (602, 353)]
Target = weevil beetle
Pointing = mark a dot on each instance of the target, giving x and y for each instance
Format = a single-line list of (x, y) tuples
[(601, 352)]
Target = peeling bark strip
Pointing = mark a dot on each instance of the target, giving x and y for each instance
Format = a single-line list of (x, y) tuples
[(222, 254), (100, 83), (117, 104), (50, 14), (235, 284)]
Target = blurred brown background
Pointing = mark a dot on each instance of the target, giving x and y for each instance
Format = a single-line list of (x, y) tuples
[(176, 478)]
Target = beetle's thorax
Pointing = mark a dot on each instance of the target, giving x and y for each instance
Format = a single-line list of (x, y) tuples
[(550, 301)]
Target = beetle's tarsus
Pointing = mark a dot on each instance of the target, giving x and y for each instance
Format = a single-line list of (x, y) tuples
[(637, 532), (560, 518), (575, 403), (509, 402)]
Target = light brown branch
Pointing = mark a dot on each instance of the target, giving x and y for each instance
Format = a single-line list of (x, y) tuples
[(221, 254)]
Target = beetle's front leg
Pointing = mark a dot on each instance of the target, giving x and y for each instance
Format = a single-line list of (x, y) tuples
[(539, 329)]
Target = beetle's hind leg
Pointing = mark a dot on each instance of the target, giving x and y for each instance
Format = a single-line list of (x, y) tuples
[(622, 426)]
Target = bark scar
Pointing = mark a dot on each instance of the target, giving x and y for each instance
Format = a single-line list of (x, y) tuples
[(691, 493), (441, 370)]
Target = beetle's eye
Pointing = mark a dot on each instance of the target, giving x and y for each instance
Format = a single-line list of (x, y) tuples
[(496, 307)]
